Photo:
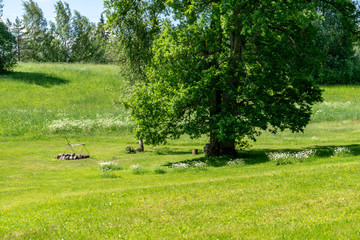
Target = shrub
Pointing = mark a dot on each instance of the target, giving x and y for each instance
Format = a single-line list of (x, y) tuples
[(109, 166), (130, 150), (199, 166), (342, 151), (180, 167), (137, 169), (159, 170), (109, 175), (235, 162)]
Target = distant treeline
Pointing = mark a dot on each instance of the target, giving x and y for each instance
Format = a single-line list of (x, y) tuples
[(340, 49), (71, 38)]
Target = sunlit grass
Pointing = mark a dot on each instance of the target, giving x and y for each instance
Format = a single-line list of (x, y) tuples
[(340, 103), (165, 192), (40, 99), (45, 198)]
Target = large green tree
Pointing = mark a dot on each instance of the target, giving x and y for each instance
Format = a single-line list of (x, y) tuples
[(227, 68)]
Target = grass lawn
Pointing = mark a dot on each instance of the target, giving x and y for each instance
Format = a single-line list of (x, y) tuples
[(145, 198)]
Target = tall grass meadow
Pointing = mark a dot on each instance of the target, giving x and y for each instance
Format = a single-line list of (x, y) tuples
[(76, 98)]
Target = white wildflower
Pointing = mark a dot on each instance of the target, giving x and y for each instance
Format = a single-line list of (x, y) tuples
[(199, 164), (107, 166), (342, 150), (180, 165), (235, 162), (275, 156)]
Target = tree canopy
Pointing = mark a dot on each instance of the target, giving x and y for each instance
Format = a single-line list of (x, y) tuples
[(7, 46), (230, 68), (71, 38)]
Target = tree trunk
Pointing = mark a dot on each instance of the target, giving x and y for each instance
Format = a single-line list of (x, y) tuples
[(220, 98), (218, 148), (227, 147)]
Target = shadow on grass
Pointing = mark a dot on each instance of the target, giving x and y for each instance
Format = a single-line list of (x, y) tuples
[(252, 157), (168, 151), (39, 79)]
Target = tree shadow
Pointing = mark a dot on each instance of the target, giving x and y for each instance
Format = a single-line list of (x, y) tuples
[(170, 151), (252, 157), (40, 79)]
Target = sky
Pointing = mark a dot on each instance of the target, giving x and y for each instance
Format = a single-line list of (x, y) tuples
[(89, 8)]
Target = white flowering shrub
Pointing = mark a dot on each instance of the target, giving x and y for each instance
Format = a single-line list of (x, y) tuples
[(236, 162), (180, 167), (288, 158), (342, 151), (199, 166), (137, 169), (196, 166), (108, 166)]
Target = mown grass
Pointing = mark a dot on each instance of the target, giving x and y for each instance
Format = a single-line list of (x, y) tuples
[(251, 198)]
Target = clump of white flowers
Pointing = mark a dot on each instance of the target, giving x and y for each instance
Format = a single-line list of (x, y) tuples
[(199, 166), (288, 158), (196, 166), (108, 166), (137, 169), (235, 162), (76, 125), (180, 165), (338, 151)]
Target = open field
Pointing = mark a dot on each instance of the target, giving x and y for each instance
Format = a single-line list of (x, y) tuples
[(246, 198)]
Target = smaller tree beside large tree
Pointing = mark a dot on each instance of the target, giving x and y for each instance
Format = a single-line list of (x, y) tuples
[(7, 46)]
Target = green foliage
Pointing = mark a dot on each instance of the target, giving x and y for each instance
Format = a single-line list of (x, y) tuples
[(130, 150), (109, 175), (64, 29), (137, 169), (35, 26), (337, 40), (227, 69), (7, 45), (159, 170), (17, 29), (69, 39), (135, 23)]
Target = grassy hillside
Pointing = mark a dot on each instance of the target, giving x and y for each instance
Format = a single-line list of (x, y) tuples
[(287, 186), (42, 99)]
